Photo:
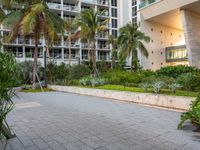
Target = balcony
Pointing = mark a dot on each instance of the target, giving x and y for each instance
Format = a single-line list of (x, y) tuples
[(176, 53), (70, 8), (146, 3), (54, 5)]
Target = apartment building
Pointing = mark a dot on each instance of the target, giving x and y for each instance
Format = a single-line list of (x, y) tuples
[(173, 26), (69, 9)]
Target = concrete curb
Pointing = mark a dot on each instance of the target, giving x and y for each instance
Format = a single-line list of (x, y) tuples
[(158, 100)]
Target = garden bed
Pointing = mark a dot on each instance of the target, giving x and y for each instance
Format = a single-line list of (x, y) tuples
[(160, 100)]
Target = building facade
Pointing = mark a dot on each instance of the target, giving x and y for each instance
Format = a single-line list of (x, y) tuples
[(68, 9), (172, 25), (173, 28)]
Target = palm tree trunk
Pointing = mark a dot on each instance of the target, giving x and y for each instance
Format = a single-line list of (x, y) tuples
[(94, 63), (135, 60), (35, 58), (70, 51), (113, 60)]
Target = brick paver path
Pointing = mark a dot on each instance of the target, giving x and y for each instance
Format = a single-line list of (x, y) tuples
[(63, 121)]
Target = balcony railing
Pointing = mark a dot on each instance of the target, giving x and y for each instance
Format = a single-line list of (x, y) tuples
[(146, 3), (176, 53)]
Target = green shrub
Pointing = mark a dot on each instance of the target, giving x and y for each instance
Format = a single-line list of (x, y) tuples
[(26, 69), (66, 75), (193, 114), (189, 81), (77, 72), (122, 77), (175, 71)]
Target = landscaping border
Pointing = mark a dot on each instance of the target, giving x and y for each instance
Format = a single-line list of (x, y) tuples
[(159, 100)]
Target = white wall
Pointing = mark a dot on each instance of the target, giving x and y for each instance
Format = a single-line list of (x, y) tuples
[(161, 37)]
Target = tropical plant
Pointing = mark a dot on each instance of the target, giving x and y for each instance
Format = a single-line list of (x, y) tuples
[(193, 114), (145, 86), (34, 19), (8, 79), (190, 81), (91, 24), (174, 86), (97, 81), (70, 27), (85, 81), (176, 71), (113, 42), (131, 40), (157, 86)]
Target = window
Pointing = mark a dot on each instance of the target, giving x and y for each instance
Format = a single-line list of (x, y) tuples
[(134, 2), (114, 3), (114, 12), (114, 33), (114, 23)]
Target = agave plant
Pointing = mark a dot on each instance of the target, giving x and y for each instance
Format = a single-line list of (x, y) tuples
[(174, 86), (157, 86), (145, 86)]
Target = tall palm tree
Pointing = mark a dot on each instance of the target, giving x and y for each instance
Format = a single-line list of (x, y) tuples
[(91, 24), (35, 19), (113, 42), (70, 26), (131, 40)]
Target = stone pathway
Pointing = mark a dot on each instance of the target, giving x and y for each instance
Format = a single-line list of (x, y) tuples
[(63, 121)]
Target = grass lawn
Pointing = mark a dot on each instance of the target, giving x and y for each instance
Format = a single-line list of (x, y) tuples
[(135, 89), (36, 90)]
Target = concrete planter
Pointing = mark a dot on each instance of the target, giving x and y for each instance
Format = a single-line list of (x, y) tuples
[(173, 102)]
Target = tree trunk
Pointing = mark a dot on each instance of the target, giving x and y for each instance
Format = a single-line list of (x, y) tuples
[(113, 59), (135, 60), (94, 64), (70, 51), (35, 58)]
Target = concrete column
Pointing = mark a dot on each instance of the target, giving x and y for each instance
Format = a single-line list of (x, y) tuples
[(191, 24)]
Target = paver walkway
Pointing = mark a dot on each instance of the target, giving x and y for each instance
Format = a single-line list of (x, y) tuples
[(63, 121)]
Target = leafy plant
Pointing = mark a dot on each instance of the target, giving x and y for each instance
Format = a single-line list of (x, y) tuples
[(8, 79), (175, 71), (190, 81), (174, 86), (193, 114), (157, 86)]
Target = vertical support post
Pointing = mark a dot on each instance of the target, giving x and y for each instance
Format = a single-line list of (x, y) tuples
[(45, 67)]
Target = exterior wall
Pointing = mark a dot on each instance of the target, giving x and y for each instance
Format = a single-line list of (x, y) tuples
[(163, 6), (161, 37), (191, 24)]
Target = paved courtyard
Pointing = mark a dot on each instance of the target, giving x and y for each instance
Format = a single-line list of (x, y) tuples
[(63, 121)]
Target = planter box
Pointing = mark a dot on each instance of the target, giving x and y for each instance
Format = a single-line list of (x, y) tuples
[(172, 102)]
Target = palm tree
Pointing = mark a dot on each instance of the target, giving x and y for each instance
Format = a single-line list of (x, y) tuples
[(91, 24), (70, 26), (131, 40), (113, 42), (36, 20)]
